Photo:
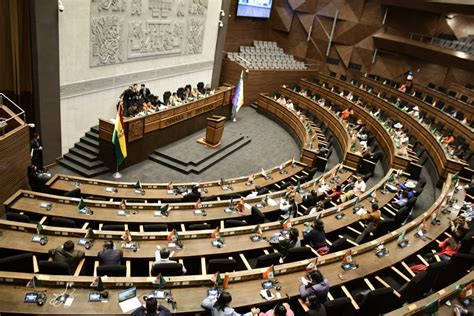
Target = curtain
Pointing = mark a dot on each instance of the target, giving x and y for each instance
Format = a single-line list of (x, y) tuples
[(15, 55)]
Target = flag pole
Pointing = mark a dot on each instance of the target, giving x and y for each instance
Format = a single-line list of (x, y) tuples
[(117, 174)]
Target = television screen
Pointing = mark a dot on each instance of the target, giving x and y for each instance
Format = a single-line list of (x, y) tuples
[(254, 8)]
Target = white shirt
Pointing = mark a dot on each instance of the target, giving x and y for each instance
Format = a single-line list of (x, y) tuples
[(359, 187)]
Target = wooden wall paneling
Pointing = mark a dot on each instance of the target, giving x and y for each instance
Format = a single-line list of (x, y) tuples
[(14, 161)]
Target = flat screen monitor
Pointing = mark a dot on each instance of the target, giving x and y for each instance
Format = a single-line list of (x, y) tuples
[(254, 8)]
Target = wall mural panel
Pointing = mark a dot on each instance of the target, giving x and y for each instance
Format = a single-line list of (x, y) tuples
[(128, 30)]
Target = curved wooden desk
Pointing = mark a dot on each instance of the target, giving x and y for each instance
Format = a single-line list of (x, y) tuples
[(458, 105), (393, 156), (450, 122), (244, 285), (107, 212), (440, 296), (441, 160), (158, 191), (304, 131)]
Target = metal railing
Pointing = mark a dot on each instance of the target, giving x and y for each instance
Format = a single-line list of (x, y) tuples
[(12, 106)]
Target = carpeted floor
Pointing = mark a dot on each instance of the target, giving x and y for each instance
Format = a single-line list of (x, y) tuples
[(270, 145)]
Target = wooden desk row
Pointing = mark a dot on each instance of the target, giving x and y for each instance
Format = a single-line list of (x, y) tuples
[(29, 202), (305, 134), (244, 285), (158, 191), (392, 154), (442, 295), (458, 105), (450, 122), (333, 122), (443, 163)]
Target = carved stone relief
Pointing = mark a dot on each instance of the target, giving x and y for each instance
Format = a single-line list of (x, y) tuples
[(128, 30)]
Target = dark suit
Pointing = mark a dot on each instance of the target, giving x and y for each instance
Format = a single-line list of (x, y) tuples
[(109, 257), (162, 311), (70, 258)]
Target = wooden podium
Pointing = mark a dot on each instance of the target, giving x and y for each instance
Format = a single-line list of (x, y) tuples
[(214, 131)]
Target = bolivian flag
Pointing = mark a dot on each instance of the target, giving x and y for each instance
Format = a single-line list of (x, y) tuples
[(118, 137)]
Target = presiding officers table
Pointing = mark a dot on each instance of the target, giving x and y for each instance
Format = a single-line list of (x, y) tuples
[(146, 133)]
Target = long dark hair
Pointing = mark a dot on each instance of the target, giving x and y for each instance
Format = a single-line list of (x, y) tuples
[(223, 301)]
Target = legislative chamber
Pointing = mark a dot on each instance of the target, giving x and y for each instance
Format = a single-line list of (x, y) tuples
[(237, 157)]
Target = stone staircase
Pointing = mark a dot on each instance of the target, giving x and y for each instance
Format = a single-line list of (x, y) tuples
[(83, 158)]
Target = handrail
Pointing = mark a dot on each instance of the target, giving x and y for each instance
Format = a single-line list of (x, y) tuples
[(22, 112)]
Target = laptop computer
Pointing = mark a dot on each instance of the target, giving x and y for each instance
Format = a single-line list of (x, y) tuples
[(128, 300)]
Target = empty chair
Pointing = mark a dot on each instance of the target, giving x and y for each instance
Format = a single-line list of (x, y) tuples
[(167, 269), (220, 265), (63, 222), (339, 244), (383, 227), (155, 227), (298, 253), (268, 260), (263, 190), (76, 193), (370, 304), (51, 267), (18, 263), (340, 306), (411, 291), (229, 223), (201, 226), (114, 227), (11, 216), (116, 270), (457, 267), (257, 216)]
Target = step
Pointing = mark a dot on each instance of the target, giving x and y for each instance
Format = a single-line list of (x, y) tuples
[(93, 135), (81, 170), (83, 154), (90, 141), (254, 105), (88, 164), (204, 166), (164, 156), (85, 147), (95, 129)]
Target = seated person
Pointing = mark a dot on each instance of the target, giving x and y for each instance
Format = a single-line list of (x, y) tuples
[(371, 220), (285, 207), (289, 105), (347, 185), (152, 308), (401, 199), (359, 186), (448, 140), (281, 100), (163, 256), (449, 247), (318, 286), (219, 306), (346, 113), (311, 199), (174, 100), (408, 187), (335, 193), (316, 237), (459, 227), (66, 254), (279, 310), (292, 240), (315, 306), (108, 255)]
